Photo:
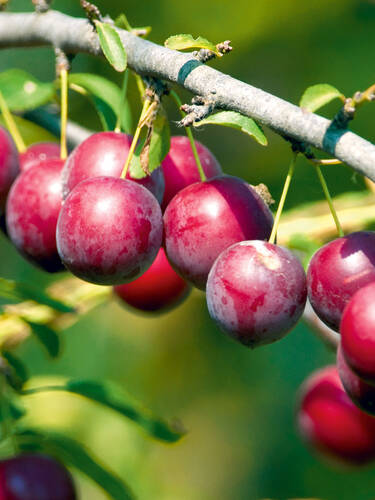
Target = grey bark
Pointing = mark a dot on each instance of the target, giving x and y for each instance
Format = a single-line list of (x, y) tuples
[(74, 35)]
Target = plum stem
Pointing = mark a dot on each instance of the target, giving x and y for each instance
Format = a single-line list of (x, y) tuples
[(11, 125), (64, 112), (189, 133), (329, 200), (122, 102), (146, 106), (140, 85), (283, 198)]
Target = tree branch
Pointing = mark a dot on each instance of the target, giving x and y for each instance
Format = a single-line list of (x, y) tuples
[(74, 35)]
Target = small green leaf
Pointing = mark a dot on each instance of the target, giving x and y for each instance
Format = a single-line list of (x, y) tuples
[(22, 91), (122, 22), (75, 455), (111, 45), (19, 292), (106, 98), (115, 398), (237, 121), (19, 374), (159, 146), (46, 336), (318, 96), (184, 41)]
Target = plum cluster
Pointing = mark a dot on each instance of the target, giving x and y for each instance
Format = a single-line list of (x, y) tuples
[(154, 238), (337, 405)]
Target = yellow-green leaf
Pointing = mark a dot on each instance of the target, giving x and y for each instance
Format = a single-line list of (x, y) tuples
[(184, 42), (319, 95), (237, 121)]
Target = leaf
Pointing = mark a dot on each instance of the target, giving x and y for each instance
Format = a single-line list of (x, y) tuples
[(28, 292), (46, 336), (30, 132), (19, 373), (112, 46), (158, 147), (22, 91), (122, 22), (184, 41), (11, 408), (75, 455), (113, 397), (318, 96), (19, 292), (106, 97), (236, 121)]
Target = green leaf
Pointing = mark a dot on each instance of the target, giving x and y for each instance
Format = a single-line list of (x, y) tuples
[(30, 132), (46, 336), (113, 397), (122, 22), (19, 292), (236, 121), (159, 146), (11, 408), (22, 91), (106, 97), (185, 41), (19, 374), (75, 455), (318, 96), (111, 45)]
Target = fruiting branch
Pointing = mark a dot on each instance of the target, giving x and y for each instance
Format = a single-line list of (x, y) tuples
[(75, 35)]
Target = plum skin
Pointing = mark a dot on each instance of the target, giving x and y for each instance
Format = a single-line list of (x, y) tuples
[(336, 271), (330, 422), (34, 476), (360, 392), (357, 330), (180, 167), (256, 292), (104, 154), (207, 217), (32, 210), (109, 230), (38, 151), (158, 290)]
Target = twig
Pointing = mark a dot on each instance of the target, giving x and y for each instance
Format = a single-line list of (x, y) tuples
[(74, 35)]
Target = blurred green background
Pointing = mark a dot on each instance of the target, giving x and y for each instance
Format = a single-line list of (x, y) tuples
[(237, 405)]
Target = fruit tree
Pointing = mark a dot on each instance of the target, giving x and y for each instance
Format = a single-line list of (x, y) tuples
[(137, 259)]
